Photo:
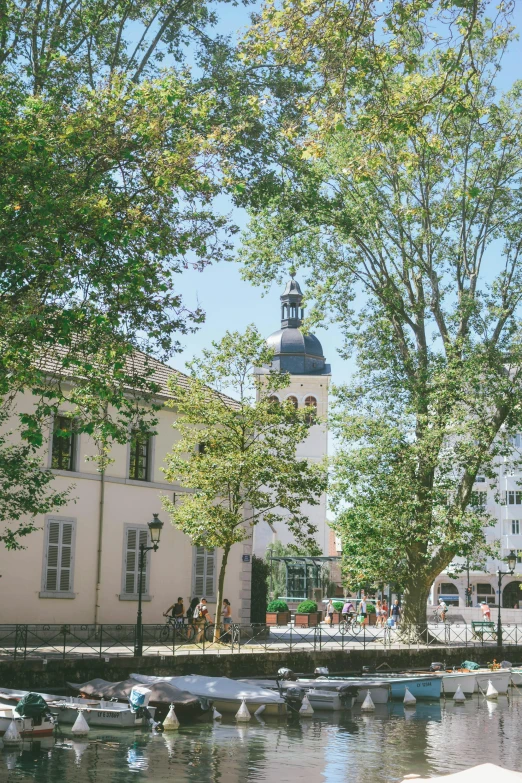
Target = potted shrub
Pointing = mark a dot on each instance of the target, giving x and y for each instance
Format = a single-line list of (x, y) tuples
[(338, 614), (372, 617), (306, 614), (277, 613)]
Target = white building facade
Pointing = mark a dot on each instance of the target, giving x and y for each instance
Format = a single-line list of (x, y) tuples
[(300, 355), (503, 502), (81, 565)]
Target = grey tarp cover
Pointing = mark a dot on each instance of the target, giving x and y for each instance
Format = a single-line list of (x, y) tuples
[(162, 692)]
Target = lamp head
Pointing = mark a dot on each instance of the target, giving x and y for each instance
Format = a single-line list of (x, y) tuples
[(155, 527), (511, 561)]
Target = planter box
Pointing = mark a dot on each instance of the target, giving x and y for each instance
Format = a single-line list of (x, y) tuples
[(306, 620), (277, 618), (372, 618)]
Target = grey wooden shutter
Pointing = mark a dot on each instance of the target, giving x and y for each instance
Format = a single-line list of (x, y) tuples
[(135, 537), (210, 571), (199, 582), (59, 563)]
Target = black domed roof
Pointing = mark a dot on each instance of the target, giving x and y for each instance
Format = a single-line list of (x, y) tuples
[(295, 352)]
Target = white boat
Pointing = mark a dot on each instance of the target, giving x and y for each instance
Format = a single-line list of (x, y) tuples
[(95, 711), (98, 713), (500, 678), (481, 774), (516, 676), (451, 681), (28, 727), (227, 695), (335, 698), (379, 691)]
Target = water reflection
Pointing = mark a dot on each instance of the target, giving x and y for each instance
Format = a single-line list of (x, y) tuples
[(429, 739)]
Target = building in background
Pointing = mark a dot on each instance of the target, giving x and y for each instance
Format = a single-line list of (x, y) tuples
[(55, 579), (300, 355), (506, 533)]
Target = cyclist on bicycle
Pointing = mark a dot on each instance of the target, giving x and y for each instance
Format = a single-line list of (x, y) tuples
[(443, 609), (177, 611), (348, 610)]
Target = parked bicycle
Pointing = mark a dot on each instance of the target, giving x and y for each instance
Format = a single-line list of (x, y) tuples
[(177, 631)]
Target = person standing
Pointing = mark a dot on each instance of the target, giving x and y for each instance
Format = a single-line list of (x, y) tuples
[(378, 612), (226, 614), (177, 611), (363, 614), (384, 611), (190, 610), (396, 612), (486, 611), (201, 618), (330, 611)]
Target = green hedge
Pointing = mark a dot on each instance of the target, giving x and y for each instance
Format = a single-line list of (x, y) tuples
[(338, 606), (307, 607), (277, 606)]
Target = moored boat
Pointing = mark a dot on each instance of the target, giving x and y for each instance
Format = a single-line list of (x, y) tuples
[(227, 695), (334, 698), (451, 681), (31, 715), (500, 679), (379, 691)]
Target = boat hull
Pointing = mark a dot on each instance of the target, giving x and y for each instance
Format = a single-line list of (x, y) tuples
[(329, 701), (26, 726), (500, 680), (420, 687), (380, 692), (451, 682), (108, 714), (231, 706)]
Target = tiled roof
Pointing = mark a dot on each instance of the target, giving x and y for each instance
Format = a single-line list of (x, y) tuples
[(138, 364)]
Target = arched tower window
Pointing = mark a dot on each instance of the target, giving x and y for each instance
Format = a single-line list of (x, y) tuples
[(293, 400), (311, 403), (273, 399)]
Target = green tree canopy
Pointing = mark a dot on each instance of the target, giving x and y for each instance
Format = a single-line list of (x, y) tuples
[(411, 235), (239, 455)]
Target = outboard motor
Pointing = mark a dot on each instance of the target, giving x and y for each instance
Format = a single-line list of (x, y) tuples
[(346, 694), (286, 674), (322, 671), (368, 669), (294, 698), (436, 666)]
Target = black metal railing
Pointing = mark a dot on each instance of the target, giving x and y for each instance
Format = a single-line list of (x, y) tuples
[(44, 642)]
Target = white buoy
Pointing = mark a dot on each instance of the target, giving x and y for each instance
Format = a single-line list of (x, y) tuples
[(81, 727), (216, 715), (171, 722), (491, 692), (409, 699), (260, 709), (306, 708), (12, 735), (368, 705), (243, 714), (459, 697)]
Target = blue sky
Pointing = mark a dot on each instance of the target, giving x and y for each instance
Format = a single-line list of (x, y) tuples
[(229, 302)]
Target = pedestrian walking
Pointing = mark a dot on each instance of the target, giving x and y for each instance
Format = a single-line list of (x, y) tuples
[(384, 611), (226, 614), (190, 610), (363, 614), (330, 612), (486, 611), (396, 613), (378, 613)]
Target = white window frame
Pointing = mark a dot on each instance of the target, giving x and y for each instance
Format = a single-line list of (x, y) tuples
[(45, 593), (145, 596), (212, 553)]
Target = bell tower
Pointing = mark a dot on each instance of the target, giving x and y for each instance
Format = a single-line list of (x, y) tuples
[(301, 356)]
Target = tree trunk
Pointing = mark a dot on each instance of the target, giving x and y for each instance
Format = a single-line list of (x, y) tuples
[(219, 600), (415, 603)]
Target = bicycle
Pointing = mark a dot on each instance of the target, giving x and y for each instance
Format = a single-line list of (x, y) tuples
[(178, 630), (352, 624), (437, 618)]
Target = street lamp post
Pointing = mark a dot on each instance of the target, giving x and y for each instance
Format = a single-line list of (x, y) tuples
[(155, 526), (511, 563)]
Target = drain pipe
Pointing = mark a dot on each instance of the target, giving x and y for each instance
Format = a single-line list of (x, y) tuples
[(100, 543)]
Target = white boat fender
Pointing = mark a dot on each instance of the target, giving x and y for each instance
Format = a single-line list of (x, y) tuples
[(216, 715), (171, 722), (12, 735), (459, 697), (260, 709), (81, 727), (306, 708), (409, 699), (243, 714), (491, 692), (368, 705)]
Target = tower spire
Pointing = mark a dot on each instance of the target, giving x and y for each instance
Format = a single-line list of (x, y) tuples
[(292, 313)]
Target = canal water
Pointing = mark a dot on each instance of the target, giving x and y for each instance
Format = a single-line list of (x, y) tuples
[(429, 739)]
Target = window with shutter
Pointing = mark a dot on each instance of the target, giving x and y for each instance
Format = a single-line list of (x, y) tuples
[(58, 576), (134, 537), (204, 572)]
